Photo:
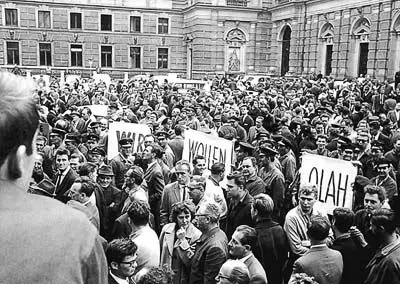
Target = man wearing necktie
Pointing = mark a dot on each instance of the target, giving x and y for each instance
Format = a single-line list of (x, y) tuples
[(65, 176), (176, 191)]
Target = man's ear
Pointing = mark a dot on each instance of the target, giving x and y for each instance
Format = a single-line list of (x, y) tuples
[(15, 162), (114, 265)]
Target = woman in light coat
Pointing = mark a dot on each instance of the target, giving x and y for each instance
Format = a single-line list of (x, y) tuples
[(180, 233)]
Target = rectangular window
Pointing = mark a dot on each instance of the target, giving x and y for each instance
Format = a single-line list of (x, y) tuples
[(44, 19), (76, 55), (162, 58), (12, 53), (106, 56), (163, 25), (106, 23), (45, 54), (11, 17), (135, 24), (75, 20), (135, 57)]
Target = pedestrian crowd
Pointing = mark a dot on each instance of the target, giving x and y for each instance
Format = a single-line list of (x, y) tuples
[(155, 217)]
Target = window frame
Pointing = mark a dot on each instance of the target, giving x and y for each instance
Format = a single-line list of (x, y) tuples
[(100, 22), (158, 57), (6, 42), (50, 19), (5, 16), (168, 26), (131, 65), (70, 54), (51, 53), (70, 22), (101, 56), (140, 22)]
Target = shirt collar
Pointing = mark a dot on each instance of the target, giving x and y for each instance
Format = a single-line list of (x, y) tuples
[(119, 280), (318, 246), (246, 257), (386, 250)]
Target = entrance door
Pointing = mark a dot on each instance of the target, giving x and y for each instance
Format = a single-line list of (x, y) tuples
[(363, 60), (328, 60), (285, 50)]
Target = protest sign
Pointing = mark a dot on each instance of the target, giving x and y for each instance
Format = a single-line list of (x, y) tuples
[(119, 130), (334, 179), (97, 110), (214, 149)]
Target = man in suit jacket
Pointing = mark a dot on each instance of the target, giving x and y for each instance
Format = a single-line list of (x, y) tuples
[(272, 246), (246, 120), (121, 258), (175, 192), (154, 180), (176, 144), (239, 205), (212, 248), (65, 176), (352, 253), (243, 240), (320, 262)]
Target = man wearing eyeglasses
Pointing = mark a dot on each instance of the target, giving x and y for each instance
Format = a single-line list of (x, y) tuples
[(212, 248), (121, 257)]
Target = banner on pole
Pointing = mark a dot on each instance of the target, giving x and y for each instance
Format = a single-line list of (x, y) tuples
[(119, 130), (334, 179), (214, 149)]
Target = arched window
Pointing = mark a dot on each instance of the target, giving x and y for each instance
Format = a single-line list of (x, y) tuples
[(235, 55)]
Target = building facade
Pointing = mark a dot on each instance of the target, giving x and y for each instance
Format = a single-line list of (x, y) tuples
[(195, 38)]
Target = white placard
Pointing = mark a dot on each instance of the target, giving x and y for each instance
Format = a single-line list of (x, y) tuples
[(214, 149), (334, 179), (119, 130)]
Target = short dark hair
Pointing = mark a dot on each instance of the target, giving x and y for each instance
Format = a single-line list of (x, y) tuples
[(197, 158), (375, 189), (87, 186), (139, 212), (264, 205), (62, 151), (157, 150), (217, 168), (237, 177), (184, 206), (319, 228), (19, 119), (249, 236), (157, 275), (344, 219), (87, 168), (118, 249), (384, 218)]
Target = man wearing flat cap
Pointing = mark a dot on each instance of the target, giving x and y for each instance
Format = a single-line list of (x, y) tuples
[(122, 161), (113, 197), (287, 160), (243, 150), (383, 178), (274, 181)]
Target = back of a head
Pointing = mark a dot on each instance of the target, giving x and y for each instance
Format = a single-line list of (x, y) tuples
[(213, 212), (264, 205), (384, 219), (139, 212), (217, 168), (239, 273), (318, 229), (156, 275), (19, 119), (344, 219)]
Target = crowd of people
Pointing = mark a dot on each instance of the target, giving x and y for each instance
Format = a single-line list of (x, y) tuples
[(154, 217)]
